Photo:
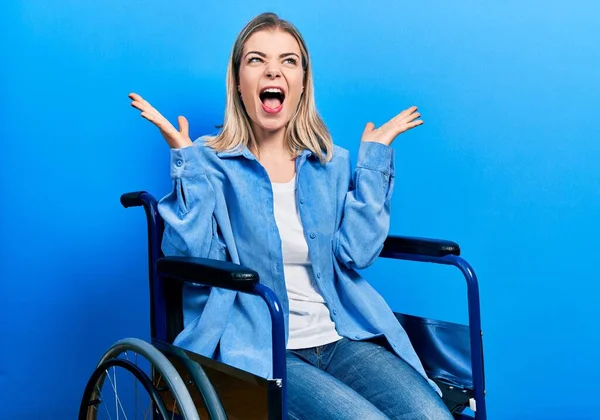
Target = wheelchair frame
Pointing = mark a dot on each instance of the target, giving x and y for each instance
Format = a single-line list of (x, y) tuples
[(235, 277)]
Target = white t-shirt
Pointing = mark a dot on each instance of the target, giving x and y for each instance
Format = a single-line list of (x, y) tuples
[(310, 322)]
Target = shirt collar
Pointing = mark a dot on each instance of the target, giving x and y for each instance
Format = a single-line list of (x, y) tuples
[(240, 151), (244, 151), (306, 153)]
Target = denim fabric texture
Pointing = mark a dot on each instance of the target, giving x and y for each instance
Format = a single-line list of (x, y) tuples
[(349, 380), (221, 207)]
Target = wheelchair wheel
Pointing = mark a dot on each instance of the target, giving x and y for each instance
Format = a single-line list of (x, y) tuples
[(120, 388)]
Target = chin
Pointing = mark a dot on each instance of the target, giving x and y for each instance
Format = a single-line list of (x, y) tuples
[(271, 126)]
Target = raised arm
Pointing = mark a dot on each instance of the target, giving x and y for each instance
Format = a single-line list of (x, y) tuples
[(366, 214), (188, 209)]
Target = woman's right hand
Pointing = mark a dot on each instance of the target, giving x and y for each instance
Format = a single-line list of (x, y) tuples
[(176, 139)]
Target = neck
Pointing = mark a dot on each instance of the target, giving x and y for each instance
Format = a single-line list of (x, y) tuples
[(270, 144)]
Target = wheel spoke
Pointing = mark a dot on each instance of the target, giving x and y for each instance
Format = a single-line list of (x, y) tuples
[(148, 410), (102, 399), (151, 403), (137, 402), (117, 399), (135, 389), (99, 412), (115, 391)]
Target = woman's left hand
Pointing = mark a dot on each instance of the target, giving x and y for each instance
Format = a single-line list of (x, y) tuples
[(386, 134)]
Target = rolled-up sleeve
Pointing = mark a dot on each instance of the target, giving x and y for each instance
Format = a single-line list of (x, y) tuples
[(365, 219), (188, 209)]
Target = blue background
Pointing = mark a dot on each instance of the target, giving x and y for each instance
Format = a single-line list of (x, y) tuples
[(506, 164)]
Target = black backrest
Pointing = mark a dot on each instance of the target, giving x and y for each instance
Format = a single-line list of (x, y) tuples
[(166, 315), (166, 309)]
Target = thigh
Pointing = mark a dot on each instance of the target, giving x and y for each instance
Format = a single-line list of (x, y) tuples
[(386, 380), (313, 394)]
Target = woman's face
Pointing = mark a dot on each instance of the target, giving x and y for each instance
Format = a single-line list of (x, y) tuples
[(271, 78)]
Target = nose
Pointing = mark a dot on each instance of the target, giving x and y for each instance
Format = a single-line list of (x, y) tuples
[(273, 72)]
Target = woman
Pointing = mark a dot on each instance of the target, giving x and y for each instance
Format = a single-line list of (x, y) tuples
[(272, 192)]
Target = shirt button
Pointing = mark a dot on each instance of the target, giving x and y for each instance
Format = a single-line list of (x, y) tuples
[(179, 162), (357, 337), (335, 311), (301, 201), (313, 235), (318, 275)]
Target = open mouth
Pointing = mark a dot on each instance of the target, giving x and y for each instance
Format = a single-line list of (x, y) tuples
[(272, 98)]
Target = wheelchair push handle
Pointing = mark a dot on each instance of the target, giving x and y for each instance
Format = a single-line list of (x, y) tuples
[(133, 199)]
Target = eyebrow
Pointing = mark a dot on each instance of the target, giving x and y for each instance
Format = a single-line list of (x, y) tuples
[(262, 54)]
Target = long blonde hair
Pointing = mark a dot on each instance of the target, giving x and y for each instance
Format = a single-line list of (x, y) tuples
[(305, 130)]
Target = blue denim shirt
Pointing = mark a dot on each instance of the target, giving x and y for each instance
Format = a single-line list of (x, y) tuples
[(221, 207)]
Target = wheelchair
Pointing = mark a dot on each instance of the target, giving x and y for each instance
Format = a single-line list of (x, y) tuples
[(163, 381)]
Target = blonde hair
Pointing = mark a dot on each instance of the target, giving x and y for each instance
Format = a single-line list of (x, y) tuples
[(305, 130)]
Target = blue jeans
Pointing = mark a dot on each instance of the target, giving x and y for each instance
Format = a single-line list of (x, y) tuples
[(358, 380)]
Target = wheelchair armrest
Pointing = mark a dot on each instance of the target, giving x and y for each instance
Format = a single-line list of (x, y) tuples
[(208, 272), (418, 246)]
